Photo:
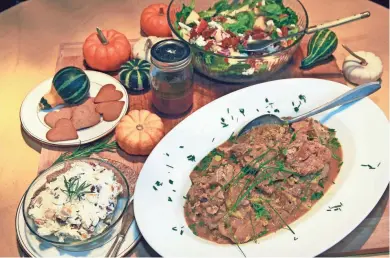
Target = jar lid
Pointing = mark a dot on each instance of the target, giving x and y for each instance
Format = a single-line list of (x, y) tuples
[(171, 53)]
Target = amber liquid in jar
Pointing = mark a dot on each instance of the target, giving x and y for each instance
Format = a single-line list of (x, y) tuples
[(172, 93), (172, 77)]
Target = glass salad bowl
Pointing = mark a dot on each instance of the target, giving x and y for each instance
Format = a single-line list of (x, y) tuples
[(102, 231), (238, 69)]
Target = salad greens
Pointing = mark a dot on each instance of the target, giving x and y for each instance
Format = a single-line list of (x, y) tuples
[(278, 13), (225, 29), (245, 21)]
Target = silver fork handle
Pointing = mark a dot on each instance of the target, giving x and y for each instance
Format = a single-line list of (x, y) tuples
[(355, 94), (115, 247)]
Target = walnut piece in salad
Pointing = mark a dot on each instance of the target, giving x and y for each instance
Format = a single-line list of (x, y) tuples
[(76, 204), (226, 28)]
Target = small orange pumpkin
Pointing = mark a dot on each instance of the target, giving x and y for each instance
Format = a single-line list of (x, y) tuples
[(154, 21), (139, 131), (106, 50)]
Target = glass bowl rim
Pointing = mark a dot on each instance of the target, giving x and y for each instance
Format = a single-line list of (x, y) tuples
[(238, 57), (93, 238)]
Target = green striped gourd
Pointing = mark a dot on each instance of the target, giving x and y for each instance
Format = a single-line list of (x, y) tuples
[(321, 46), (70, 85), (134, 75)]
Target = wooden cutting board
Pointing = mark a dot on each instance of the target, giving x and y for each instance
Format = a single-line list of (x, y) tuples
[(371, 236)]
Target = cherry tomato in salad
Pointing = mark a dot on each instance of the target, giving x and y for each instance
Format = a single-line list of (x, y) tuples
[(284, 30), (202, 26)]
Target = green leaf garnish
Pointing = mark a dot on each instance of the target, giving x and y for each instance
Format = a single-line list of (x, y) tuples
[(316, 195)]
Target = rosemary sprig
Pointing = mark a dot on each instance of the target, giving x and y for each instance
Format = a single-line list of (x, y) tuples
[(73, 188), (88, 150)]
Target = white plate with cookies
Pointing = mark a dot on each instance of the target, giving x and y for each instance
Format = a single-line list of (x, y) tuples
[(70, 125)]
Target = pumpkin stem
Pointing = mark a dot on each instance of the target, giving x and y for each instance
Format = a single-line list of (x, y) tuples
[(101, 37), (161, 13), (362, 60), (139, 127)]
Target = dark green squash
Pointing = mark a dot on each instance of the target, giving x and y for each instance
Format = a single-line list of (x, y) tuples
[(70, 85), (134, 75), (320, 47)]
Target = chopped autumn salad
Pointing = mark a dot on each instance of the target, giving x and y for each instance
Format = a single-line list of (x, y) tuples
[(226, 28)]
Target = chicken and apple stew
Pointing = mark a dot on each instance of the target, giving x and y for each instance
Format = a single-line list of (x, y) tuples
[(262, 181)]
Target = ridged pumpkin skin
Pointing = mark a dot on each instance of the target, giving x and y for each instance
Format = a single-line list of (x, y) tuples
[(134, 75), (70, 85), (154, 21), (320, 46), (106, 56), (139, 131)]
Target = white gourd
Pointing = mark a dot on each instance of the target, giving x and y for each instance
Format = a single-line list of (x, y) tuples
[(141, 48), (358, 73)]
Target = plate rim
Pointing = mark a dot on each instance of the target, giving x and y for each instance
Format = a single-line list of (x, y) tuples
[(340, 236), (65, 144), (24, 248)]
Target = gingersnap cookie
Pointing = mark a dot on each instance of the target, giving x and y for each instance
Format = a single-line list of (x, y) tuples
[(63, 130), (110, 110), (83, 117), (108, 93), (52, 117)]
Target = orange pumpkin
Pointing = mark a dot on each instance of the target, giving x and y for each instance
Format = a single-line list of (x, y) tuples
[(106, 50), (154, 21), (139, 131)]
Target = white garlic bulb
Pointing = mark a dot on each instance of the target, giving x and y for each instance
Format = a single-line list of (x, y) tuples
[(358, 73)]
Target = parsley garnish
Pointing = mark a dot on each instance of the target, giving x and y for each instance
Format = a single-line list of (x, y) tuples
[(191, 158), (316, 195), (368, 165), (174, 228), (224, 124), (302, 97), (276, 111), (169, 166), (233, 158), (321, 183), (232, 138), (242, 111), (169, 199), (170, 181), (181, 147), (266, 100), (293, 137), (193, 229), (158, 183), (335, 208), (155, 188), (261, 211)]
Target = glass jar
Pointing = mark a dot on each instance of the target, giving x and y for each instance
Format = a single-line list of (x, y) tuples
[(171, 74)]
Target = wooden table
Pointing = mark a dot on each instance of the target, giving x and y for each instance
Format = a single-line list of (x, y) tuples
[(31, 32)]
